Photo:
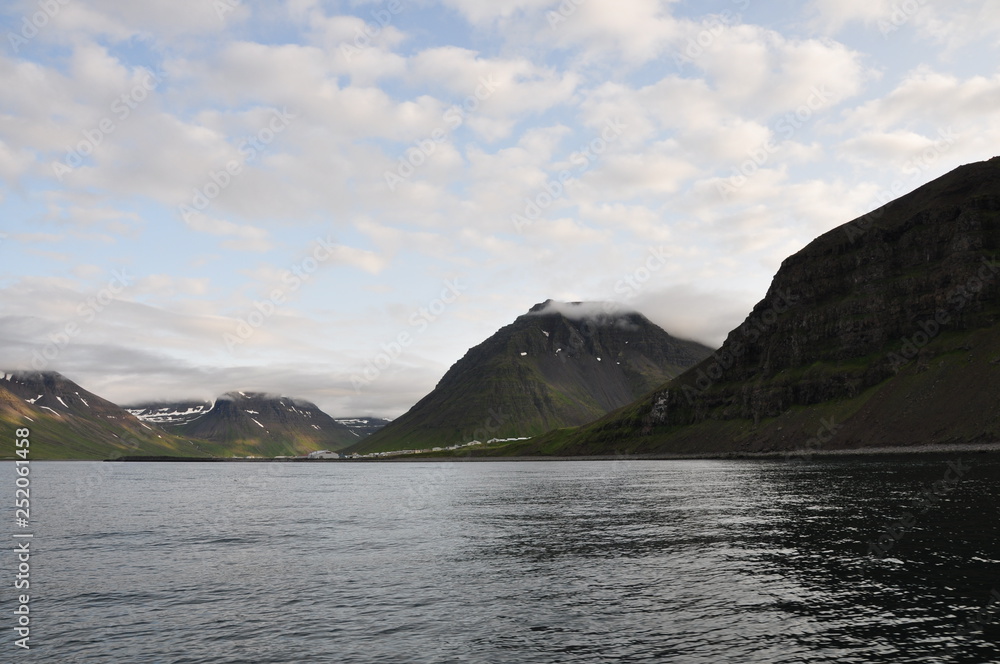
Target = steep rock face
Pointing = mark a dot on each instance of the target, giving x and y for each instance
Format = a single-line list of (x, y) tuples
[(921, 264), (558, 365), (861, 311), (266, 425), (68, 422)]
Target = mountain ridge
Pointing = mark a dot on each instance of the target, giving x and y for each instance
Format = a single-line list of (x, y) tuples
[(69, 422), (558, 363), (879, 313), (261, 424)]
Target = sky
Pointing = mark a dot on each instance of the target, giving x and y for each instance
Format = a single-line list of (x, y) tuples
[(336, 200)]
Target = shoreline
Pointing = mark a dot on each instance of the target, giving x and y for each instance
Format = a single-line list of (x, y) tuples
[(794, 456), (791, 455)]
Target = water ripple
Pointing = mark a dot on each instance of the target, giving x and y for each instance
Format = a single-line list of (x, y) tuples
[(513, 562)]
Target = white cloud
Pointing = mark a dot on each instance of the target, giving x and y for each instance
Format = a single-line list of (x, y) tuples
[(241, 238), (860, 115), (484, 13), (637, 31), (932, 97), (362, 259), (491, 87), (160, 19), (955, 24), (766, 72), (688, 311), (654, 171), (835, 14)]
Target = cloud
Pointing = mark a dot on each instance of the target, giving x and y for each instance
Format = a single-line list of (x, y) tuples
[(121, 20), (767, 72), (636, 32), (687, 311), (485, 13), (835, 14), (812, 121), (955, 25), (362, 259), (499, 89), (580, 310), (930, 97), (241, 238)]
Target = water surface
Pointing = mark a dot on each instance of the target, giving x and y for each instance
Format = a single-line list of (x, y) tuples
[(625, 561)]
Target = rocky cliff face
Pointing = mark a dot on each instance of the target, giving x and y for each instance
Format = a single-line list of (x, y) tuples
[(919, 266), (880, 307), (561, 364)]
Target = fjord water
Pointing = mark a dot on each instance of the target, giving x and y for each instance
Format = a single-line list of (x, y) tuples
[(660, 561)]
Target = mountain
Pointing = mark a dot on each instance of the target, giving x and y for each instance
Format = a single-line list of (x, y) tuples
[(560, 364), (183, 412), (362, 427), (68, 422), (882, 332), (257, 424), (172, 413)]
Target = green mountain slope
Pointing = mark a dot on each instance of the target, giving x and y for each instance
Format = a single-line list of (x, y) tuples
[(254, 424), (68, 422), (884, 331), (558, 365)]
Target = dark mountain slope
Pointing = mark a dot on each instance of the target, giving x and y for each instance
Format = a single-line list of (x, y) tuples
[(884, 331), (558, 365)]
